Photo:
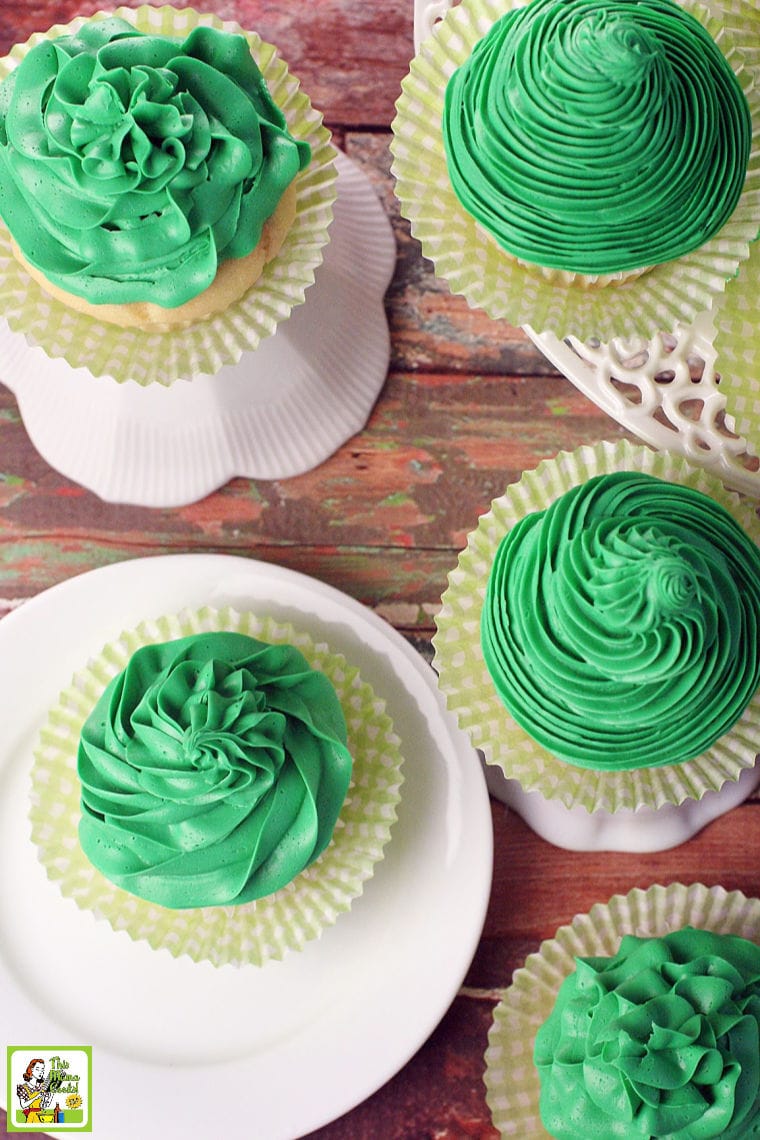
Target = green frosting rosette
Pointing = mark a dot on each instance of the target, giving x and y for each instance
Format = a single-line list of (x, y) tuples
[(598, 638), (213, 769), (620, 625), (662, 1039), (139, 149), (576, 135), (641, 1019), (560, 125), (132, 166), (217, 784)]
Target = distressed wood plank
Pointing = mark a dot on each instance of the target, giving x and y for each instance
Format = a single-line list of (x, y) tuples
[(436, 451), (431, 328), (349, 56), (538, 887)]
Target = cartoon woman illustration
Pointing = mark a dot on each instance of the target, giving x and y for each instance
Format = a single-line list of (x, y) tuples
[(34, 1093)]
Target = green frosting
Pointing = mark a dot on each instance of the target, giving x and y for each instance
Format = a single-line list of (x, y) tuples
[(131, 165), (620, 625), (660, 1042), (213, 770), (597, 135)]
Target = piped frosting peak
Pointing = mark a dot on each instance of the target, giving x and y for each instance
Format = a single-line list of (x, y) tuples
[(597, 136), (621, 625)]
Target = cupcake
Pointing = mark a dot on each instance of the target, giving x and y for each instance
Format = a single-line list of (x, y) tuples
[(213, 769), (598, 641), (567, 173), (660, 1039), (530, 146), (641, 1019), (216, 784), (153, 179), (170, 194)]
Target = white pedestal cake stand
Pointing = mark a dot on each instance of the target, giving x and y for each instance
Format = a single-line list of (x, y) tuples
[(667, 392), (281, 410)]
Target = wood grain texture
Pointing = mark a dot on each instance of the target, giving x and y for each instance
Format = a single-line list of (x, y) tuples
[(437, 449), (469, 403), (349, 56)]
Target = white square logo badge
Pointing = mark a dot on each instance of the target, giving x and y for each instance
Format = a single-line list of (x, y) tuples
[(49, 1087)]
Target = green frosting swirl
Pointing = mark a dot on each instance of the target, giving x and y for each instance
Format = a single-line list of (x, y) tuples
[(213, 770), (620, 625), (131, 165), (660, 1042), (597, 135)]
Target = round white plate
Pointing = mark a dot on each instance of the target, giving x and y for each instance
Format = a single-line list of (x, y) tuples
[(186, 1049), (281, 410)]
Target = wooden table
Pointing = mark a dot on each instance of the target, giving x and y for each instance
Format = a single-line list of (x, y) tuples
[(469, 403)]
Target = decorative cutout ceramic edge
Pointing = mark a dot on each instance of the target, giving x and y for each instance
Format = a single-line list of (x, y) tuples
[(670, 391)]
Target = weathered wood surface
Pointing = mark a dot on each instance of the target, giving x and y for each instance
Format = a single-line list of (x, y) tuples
[(437, 449), (350, 55), (468, 405)]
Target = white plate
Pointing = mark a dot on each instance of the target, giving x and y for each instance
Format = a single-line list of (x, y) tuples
[(281, 410), (274, 1052)]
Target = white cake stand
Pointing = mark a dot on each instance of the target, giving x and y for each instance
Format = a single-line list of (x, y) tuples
[(667, 392), (281, 410)]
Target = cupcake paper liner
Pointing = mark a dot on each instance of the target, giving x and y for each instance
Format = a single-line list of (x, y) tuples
[(473, 263), (512, 1084), (203, 348), (471, 695), (737, 347), (251, 933)]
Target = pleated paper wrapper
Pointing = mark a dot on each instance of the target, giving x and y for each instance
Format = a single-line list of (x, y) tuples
[(471, 695), (737, 348), (255, 932), (474, 264), (512, 1084), (205, 347)]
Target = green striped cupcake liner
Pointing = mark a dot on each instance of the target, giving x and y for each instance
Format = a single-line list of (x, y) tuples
[(206, 347), (471, 696), (473, 263), (252, 933), (512, 1084)]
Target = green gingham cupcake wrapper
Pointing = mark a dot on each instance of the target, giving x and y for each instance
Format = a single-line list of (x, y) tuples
[(203, 348), (512, 1084), (473, 263), (470, 694), (737, 347), (252, 933)]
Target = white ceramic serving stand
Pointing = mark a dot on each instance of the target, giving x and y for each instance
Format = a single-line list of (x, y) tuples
[(667, 392), (281, 410)]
